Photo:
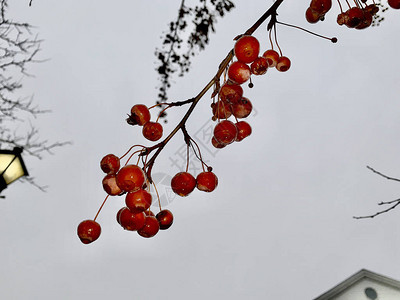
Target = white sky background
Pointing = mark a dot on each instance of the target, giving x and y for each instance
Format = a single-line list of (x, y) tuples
[(279, 226)]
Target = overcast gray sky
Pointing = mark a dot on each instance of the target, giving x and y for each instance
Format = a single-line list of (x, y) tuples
[(279, 225)]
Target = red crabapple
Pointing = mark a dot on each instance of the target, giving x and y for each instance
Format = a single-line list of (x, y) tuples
[(140, 115), (321, 6), (366, 20), (394, 4), (150, 228), (149, 213), (244, 130), (221, 110), (110, 185), (247, 49), (283, 64), (259, 66), (130, 178), (272, 57), (165, 219), (131, 221), (119, 214), (231, 93), (183, 184), (355, 15), (242, 109), (217, 144), (152, 131), (206, 181), (110, 164), (88, 231), (312, 16), (239, 72), (138, 201), (225, 132)]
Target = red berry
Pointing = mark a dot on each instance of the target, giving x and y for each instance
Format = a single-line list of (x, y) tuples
[(259, 66), (138, 201), (366, 20), (394, 4), (342, 18), (321, 6), (165, 219), (183, 183), (110, 185), (239, 72), (247, 49), (272, 57), (150, 228), (244, 130), (131, 221), (242, 109), (130, 178), (283, 64), (149, 213), (355, 15), (231, 93), (221, 110), (140, 115), (206, 181), (217, 144), (225, 132), (88, 231), (373, 8), (110, 164), (152, 131), (312, 16), (119, 215)]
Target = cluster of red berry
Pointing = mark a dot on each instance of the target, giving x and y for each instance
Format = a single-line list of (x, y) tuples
[(230, 97), (359, 16), (136, 215), (135, 181)]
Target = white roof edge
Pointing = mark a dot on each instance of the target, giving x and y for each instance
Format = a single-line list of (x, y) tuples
[(363, 273)]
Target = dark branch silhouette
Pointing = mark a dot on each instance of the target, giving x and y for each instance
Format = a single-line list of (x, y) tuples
[(19, 47), (392, 204)]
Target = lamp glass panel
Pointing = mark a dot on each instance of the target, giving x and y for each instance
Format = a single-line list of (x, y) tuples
[(14, 171)]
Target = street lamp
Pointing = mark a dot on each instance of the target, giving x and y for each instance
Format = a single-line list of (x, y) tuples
[(12, 166)]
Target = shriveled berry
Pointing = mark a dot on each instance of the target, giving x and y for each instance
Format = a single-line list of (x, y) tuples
[(110, 185), (110, 164), (259, 66), (140, 115), (242, 109), (231, 93), (272, 57)]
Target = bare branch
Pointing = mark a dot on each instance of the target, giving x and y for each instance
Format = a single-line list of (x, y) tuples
[(396, 203), (383, 175)]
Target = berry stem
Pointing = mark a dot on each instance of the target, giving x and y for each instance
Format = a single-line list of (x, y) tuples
[(333, 40), (101, 206)]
